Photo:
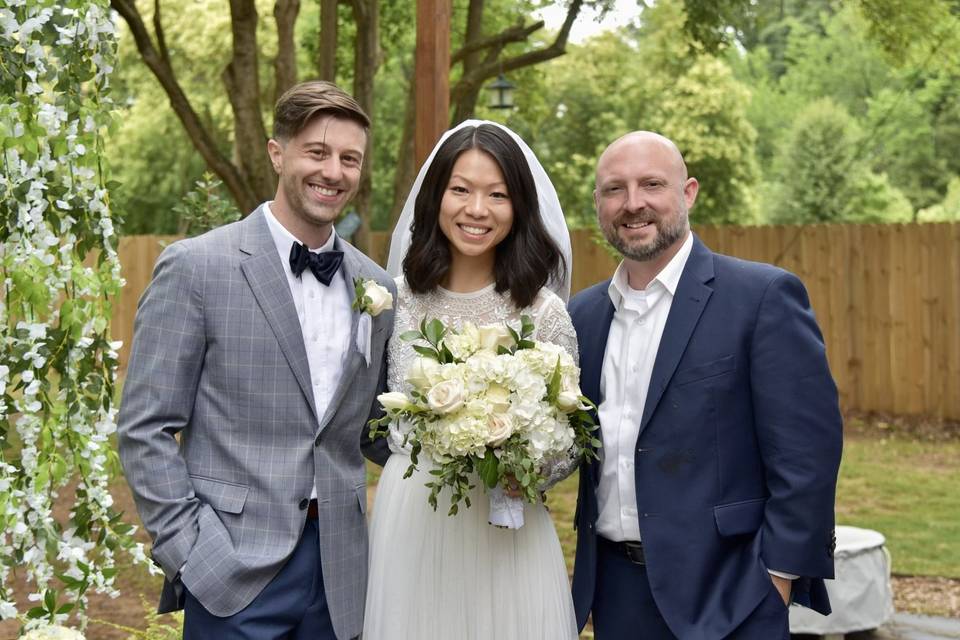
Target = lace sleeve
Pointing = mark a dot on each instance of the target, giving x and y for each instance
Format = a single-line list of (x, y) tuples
[(553, 324)]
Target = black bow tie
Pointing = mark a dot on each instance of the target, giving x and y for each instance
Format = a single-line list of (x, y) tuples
[(323, 265)]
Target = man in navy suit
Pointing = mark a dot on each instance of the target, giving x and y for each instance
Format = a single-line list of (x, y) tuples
[(711, 508)]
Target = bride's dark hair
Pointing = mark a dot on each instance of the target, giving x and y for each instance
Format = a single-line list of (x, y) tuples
[(525, 259)]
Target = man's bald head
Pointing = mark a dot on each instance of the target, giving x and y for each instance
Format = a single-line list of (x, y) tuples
[(643, 196), (644, 143)]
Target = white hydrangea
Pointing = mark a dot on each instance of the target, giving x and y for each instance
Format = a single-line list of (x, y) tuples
[(52, 632)]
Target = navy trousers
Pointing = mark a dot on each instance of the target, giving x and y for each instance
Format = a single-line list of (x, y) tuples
[(624, 608), (291, 607)]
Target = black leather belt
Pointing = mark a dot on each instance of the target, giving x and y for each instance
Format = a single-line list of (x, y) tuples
[(312, 512), (632, 550)]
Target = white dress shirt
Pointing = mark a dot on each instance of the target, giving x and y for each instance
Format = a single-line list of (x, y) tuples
[(632, 346), (324, 313)]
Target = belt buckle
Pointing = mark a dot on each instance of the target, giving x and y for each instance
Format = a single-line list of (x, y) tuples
[(634, 551)]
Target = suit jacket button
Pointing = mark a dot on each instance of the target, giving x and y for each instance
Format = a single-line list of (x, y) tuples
[(303, 504)]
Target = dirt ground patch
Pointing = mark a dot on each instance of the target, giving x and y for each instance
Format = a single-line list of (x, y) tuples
[(859, 425), (927, 595)]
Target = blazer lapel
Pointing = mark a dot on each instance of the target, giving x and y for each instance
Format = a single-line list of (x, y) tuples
[(688, 303), (268, 281), (593, 344), (350, 268)]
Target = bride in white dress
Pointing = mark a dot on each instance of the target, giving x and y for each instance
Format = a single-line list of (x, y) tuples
[(481, 239)]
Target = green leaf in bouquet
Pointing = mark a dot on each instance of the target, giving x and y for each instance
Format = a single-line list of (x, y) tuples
[(434, 331), (415, 453), (411, 335), (553, 386), (526, 326), (526, 344), (445, 355), (489, 469), (513, 334), (427, 352)]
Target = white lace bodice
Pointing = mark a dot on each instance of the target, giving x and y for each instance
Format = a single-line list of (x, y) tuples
[(486, 306)]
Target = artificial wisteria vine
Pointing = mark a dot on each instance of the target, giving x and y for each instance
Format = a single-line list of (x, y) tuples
[(59, 270)]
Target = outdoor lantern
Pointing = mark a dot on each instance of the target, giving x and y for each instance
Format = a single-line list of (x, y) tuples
[(501, 93)]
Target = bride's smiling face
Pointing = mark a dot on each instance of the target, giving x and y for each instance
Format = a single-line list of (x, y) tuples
[(476, 213)]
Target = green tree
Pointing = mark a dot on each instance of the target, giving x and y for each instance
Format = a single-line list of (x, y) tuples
[(823, 179), (705, 114)]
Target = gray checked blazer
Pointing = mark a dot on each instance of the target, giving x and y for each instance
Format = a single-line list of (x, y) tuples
[(218, 358)]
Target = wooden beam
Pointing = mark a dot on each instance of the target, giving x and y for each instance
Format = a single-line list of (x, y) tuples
[(431, 75)]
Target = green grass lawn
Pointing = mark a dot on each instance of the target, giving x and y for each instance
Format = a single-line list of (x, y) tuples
[(906, 487), (909, 490)]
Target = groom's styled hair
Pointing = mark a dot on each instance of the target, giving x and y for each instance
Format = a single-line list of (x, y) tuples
[(303, 102), (525, 259)]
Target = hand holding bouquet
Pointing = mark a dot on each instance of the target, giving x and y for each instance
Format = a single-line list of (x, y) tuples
[(488, 400)]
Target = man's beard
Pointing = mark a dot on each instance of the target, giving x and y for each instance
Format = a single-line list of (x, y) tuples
[(667, 235)]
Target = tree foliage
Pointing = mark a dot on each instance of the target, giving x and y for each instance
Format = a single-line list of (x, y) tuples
[(727, 78)]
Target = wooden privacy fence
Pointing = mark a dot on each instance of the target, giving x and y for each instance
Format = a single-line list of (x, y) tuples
[(887, 298)]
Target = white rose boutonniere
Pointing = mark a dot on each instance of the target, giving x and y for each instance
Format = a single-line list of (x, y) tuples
[(370, 299)]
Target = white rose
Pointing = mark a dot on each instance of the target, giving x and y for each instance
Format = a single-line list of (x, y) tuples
[(423, 373), (394, 401), (492, 336), (501, 428), (568, 401), (380, 298), (446, 396)]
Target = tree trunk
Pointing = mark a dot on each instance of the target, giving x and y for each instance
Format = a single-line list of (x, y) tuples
[(241, 78), (159, 64), (365, 62), (463, 95), (327, 49), (406, 170), (285, 66), (466, 107)]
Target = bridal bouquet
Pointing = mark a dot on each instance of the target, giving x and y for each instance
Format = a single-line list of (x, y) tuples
[(491, 401)]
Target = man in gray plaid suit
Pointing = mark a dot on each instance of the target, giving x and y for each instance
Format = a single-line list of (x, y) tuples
[(248, 348)]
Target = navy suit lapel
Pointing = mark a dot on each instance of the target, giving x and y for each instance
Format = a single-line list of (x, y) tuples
[(592, 338), (592, 333), (689, 301), (268, 281)]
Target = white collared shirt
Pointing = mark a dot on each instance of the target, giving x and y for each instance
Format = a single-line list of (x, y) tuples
[(632, 345), (324, 314)]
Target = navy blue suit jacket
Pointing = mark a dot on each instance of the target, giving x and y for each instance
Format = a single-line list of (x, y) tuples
[(739, 447)]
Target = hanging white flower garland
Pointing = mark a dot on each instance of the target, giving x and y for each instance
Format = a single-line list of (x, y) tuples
[(59, 268)]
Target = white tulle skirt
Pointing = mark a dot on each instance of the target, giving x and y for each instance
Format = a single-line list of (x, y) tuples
[(434, 576)]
